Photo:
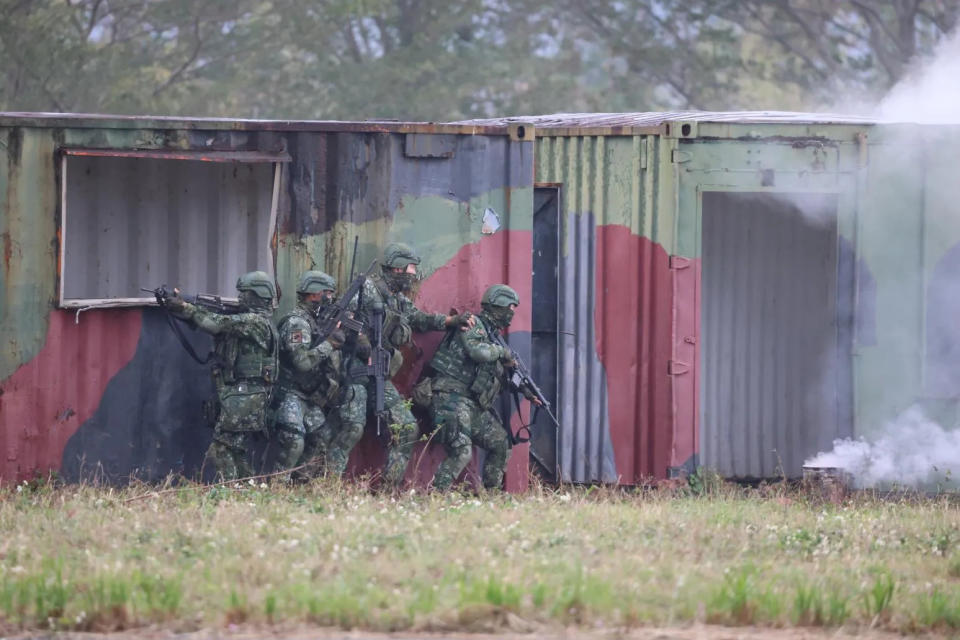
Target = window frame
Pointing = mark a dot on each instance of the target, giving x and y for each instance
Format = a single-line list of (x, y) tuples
[(277, 159)]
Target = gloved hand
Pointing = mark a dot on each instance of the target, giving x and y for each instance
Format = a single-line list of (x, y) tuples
[(364, 348), (174, 302), (463, 320), (337, 338)]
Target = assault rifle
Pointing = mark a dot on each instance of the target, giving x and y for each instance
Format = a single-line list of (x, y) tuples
[(337, 314), (379, 363), (208, 301), (519, 381)]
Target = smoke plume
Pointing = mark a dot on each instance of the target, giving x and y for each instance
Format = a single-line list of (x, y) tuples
[(930, 91), (911, 451)]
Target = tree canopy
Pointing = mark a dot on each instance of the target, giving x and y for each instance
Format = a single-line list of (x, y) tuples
[(428, 60)]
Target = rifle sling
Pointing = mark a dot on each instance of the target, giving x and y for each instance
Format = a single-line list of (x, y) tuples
[(177, 331)]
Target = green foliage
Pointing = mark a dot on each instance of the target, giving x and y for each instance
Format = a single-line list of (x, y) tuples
[(419, 59)]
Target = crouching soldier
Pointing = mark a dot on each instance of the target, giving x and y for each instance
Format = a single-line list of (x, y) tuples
[(469, 370), (309, 374), (383, 301), (245, 367)]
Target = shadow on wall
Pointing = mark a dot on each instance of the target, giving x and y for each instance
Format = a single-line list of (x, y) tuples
[(149, 421)]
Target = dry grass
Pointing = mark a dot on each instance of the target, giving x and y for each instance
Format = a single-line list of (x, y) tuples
[(91, 558)]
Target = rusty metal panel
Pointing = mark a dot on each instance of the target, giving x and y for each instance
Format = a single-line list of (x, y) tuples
[(135, 222), (775, 384)]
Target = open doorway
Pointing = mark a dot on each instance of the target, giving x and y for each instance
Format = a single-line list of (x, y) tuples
[(544, 324), (776, 383)]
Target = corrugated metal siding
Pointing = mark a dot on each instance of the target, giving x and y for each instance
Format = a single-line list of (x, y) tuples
[(770, 333), (28, 241), (614, 294), (131, 223)]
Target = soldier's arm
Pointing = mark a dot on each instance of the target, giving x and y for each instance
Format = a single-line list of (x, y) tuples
[(248, 325), (295, 337), (479, 347), (208, 321), (420, 321)]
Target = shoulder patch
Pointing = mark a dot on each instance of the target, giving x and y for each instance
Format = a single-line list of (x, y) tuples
[(296, 337)]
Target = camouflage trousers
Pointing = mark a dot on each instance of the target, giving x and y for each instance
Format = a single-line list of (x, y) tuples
[(343, 431), (242, 413), (299, 433), (402, 427), (463, 423)]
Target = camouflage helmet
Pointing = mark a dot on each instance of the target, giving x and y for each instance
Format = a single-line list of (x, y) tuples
[(259, 283), (316, 282), (500, 295), (399, 255)]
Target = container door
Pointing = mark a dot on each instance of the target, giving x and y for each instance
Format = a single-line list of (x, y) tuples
[(544, 327), (776, 383)]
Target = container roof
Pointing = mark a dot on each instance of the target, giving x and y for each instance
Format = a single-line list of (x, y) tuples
[(597, 123), (657, 118), (653, 121), (108, 121)]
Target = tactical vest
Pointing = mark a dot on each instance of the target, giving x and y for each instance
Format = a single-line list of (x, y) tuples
[(317, 386), (396, 331), (482, 381), (241, 359)]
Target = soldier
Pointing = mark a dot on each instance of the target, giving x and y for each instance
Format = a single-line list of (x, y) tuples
[(309, 373), (385, 294), (469, 370), (244, 370)]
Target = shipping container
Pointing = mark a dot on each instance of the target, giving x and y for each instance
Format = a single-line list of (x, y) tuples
[(93, 382), (728, 290)]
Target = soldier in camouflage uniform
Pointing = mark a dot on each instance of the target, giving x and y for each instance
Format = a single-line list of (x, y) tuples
[(469, 370), (309, 373), (244, 370), (386, 293)]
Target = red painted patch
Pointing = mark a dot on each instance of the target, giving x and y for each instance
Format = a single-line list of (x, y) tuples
[(47, 399), (633, 341), (505, 257)]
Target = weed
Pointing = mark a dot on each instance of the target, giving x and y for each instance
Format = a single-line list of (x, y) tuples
[(879, 595), (732, 601), (938, 610)]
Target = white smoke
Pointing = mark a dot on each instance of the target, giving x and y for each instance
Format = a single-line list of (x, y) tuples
[(930, 92), (911, 451)]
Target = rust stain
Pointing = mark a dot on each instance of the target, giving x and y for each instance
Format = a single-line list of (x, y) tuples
[(7, 250)]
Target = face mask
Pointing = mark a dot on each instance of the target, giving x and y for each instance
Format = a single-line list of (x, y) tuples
[(319, 305), (250, 300), (501, 316), (399, 281)]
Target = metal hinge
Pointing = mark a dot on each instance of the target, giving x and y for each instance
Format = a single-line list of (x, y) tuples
[(677, 368), (679, 262), (678, 156)]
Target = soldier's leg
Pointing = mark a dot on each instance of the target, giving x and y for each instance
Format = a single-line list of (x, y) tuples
[(227, 452), (289, 431), (240, 415), (315, 442), (454, 424), (488, 434), (353, 417), (403, 435)]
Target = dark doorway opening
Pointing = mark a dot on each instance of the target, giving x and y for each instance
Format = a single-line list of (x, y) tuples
[(544, 324)]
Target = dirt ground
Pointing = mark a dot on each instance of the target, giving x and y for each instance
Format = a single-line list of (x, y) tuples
[(695, 632)]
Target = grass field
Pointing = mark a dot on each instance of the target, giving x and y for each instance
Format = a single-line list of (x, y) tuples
[(192, 557)]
